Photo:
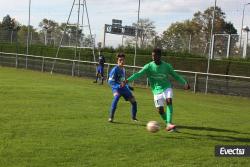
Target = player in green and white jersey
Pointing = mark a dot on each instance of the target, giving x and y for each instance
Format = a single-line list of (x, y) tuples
[(158, 73)]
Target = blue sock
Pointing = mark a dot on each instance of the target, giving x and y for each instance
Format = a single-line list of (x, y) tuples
[(134, 109), (113, 106)]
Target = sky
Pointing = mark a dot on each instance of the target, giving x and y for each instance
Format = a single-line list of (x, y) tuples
[(101, 12)]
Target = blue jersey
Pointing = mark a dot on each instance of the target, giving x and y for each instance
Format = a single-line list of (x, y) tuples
[(101, 60), (116, 76)]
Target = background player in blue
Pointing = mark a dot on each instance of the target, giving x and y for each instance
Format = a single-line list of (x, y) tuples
[(116, 77), (100, 68)]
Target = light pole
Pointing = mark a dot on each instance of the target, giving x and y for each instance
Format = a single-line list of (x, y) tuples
[(137, 30), (45, 28), (211, 46), (246, 29), (28, 36), (242, 22)]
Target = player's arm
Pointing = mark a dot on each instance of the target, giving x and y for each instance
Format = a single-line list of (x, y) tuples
[(135, 76), (112, 79), (179, 78), (138, 74)]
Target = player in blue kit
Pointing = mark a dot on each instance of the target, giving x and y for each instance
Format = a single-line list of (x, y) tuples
[(100, 68), (116, 77)]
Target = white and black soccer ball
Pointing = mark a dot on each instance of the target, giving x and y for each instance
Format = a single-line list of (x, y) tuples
[(153, 126)]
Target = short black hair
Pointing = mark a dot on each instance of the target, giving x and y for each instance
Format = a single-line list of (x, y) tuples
[(119, 55), (157, 51)]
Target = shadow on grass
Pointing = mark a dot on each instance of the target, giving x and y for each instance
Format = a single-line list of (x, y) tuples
[(139, 123), (229, 137), (210, 129), (222, 137)]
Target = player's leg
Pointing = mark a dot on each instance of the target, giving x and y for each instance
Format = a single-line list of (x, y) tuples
[(162, 113), (114, 106), (128, 96), (168, 95), (159, 104), (133, 108), (97, 74), (102, 74), (96, 77), (169, 110), (170, 125)]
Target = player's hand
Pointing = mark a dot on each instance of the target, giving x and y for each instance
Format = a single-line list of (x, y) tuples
[(123, 83), (186, 86), (131, 88)]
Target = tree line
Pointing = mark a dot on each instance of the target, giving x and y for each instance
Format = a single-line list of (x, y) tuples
[(48, 33), (177, 37)]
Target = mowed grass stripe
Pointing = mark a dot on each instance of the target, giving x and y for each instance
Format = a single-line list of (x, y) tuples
[(57, 120)]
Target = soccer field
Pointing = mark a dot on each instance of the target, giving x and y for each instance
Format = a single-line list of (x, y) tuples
[(55, 120)]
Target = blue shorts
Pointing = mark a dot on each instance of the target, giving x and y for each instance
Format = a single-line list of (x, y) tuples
[(124, 92), (100, 70)]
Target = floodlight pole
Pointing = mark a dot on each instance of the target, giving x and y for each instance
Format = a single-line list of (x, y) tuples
[(137, 27), (60, 43), (246, 29), (78, 26), (242, 22), (45, 35), (189, 43), (211, 46), (28, 36), (92, 38), (104, 36)]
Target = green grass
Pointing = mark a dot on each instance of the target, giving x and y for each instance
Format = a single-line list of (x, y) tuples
[(55, 120)]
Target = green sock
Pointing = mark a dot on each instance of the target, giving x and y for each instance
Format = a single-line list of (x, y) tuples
[(163, 116), (169, 113)]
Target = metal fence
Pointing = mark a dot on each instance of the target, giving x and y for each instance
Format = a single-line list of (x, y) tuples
[(217, 83), (224, 45)]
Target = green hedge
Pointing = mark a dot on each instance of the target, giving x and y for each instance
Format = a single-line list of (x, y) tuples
[(180, 61)]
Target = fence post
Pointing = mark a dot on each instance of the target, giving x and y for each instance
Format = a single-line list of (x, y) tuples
[(147, 83), (17, 51), (78, 68), (133, 83), (1, 54), (43, 65), (195, 82), (73, 68), (228, 45), (107, 73), (16, 60)]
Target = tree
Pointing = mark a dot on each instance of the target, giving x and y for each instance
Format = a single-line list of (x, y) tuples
[(176, 37), (221, 26), (23, 33), (7, 23), (9, 28), (157, 42), (50, 31), (146, 35)]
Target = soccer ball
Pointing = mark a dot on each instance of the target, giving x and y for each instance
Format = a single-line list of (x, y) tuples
[(153, 126)]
